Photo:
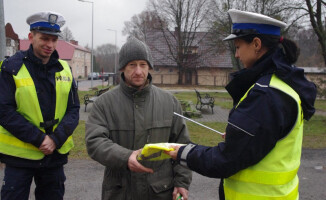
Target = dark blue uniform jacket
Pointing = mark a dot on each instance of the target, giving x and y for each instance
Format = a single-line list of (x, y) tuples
[(265, 116), (44, 80)]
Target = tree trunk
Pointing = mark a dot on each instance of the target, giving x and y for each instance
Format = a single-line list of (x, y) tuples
[(180, 78)]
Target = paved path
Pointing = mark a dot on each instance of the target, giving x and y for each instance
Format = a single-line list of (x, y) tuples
[(84, 180)]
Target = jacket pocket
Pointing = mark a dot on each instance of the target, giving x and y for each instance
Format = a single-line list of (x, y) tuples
[(113, 187), (162, 185)]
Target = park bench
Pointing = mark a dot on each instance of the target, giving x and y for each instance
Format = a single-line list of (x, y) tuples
[(206, 100), (88, 98)]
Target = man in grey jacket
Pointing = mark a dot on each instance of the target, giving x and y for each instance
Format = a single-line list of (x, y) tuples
[(126, 118)]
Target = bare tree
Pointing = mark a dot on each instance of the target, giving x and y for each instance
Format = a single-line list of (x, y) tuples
[(310, 50), (141, 24), (317, 14), (287, 11), (105, 57), (66, 34), (180, 20)]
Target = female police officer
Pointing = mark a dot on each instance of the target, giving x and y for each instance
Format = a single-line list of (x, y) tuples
[(261, 153)]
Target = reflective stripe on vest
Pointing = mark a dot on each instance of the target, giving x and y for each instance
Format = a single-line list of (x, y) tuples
[(1, 64), (275, 176), (29, 107)]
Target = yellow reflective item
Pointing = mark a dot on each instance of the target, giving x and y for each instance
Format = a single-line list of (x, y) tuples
[(155, 151)]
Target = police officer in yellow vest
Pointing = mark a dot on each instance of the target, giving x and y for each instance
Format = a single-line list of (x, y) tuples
[(261, 153), (39, 110)]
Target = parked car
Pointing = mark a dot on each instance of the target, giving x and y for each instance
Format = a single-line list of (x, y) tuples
[(95, 75), (105, 76)]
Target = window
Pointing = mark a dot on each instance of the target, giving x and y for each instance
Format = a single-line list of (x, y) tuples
[(191, 50), (157, 69)]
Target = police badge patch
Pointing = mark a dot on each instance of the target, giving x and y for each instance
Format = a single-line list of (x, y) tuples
[(53, 19)]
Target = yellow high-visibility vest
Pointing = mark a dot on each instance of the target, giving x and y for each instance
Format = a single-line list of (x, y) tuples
[(0, 64), (29, 107), (275, 176), (155, 151)]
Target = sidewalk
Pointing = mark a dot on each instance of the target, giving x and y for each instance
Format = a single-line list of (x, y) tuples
[(84, 179)]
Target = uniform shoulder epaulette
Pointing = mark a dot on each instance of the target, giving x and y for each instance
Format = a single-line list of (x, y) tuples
[(262, 83)]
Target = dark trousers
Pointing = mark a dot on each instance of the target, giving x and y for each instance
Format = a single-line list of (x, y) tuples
[(17, 182)]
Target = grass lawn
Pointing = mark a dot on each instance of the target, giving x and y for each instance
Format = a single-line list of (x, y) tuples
[(314, 133), (79, 151), (321, 105), (200, 135), (222, 99)]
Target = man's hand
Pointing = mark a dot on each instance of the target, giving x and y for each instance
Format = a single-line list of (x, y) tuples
[(135, 166), (47, 146), (180, 191)]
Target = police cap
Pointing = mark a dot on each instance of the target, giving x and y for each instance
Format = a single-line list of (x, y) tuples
[(47, 22), (246, 23)]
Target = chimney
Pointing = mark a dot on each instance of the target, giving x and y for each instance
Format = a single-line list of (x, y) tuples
[(74, 42)]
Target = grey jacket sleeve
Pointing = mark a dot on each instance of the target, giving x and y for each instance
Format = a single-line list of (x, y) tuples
[(179, 134), (99, 145)]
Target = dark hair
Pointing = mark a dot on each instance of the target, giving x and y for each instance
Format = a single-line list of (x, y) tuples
[(271, 42)]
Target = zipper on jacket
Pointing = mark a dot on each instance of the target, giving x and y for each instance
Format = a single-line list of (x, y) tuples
[(148, 137)]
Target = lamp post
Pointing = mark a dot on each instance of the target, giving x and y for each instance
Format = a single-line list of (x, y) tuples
[(115, 55), (2, 32), (92, 38)]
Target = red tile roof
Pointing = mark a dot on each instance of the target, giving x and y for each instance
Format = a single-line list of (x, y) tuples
[(65, 49), (10, 33)]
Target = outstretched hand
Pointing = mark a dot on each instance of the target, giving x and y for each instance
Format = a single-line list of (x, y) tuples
[(135, 166), (173, 153)]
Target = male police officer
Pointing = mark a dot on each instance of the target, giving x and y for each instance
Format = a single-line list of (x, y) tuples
[(39, 110)]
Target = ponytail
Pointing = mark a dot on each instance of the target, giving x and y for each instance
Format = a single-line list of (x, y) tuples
[(272, 42), (291, 49)]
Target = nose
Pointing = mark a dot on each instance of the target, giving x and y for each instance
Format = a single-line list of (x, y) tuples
[(50, 44), (236, 54), (138, 69)]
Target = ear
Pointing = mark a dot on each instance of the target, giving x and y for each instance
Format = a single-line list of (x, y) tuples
[(30, 37), (257, 44)]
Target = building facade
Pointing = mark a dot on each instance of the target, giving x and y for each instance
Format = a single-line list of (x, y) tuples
[(12, 40), (202, 65)]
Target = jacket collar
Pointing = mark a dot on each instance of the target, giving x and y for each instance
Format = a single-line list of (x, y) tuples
[(131, 91), (242, 80)]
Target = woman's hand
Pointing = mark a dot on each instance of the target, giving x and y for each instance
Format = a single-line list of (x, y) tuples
[(173, 153)]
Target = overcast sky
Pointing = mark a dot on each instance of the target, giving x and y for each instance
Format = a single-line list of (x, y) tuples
[(108, 14)]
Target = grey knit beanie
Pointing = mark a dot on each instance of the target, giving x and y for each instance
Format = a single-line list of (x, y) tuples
[(134, 49)]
